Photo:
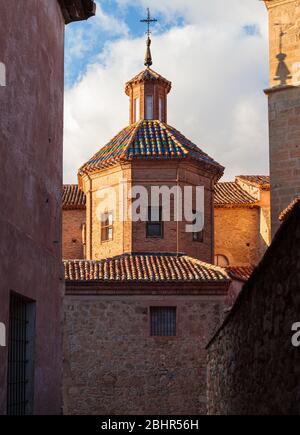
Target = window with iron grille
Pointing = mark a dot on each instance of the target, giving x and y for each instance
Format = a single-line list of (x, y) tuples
[(154, 227), (20, 356), (163, 321), (107, 227)]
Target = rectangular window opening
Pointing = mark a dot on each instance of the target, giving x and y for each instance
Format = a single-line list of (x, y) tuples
[(155, 222), (161, 109), (149, 107), (137, 109), (107, 226), (20, 377), (163, 321)]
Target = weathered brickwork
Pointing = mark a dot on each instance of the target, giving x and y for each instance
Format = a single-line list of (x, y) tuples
[(237, 235), (131, 236), (113, 366), (284, 104), (252, 366), (175, 237), (73, 234)]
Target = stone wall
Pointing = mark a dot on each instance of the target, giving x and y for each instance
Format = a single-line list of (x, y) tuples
[(73, 221), (113, 365), (252, 366), (284, 104), (31, 129)]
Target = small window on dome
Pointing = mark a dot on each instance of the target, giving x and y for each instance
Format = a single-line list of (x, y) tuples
[(137, 109), (149, 107), (161, 109)]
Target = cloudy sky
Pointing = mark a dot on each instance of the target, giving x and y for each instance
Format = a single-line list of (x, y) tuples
[(216, 55)]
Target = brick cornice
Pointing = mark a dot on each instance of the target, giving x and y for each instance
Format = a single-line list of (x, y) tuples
[(100, 288), (279, 89)]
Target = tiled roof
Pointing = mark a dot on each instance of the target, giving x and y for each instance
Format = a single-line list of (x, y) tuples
[(286, 212), (231, 194), (148, 140), (148, 75), (261, 181), (73, 198), (241, 273), (226, 194), (144, 267)]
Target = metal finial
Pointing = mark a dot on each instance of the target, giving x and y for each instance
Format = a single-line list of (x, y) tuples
[(148, 21), (148, 58)]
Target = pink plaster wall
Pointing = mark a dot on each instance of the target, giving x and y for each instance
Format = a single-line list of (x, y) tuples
[(31, 128)]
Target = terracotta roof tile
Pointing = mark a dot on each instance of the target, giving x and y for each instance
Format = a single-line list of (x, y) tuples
[(148, 140), (241, 273), (231, 194), (261, 181), (226, 194), (286, 212), (144, 267), (73, 198)]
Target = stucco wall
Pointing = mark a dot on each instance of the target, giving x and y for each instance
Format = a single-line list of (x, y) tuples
[(252, 366), (31, 126), (113, 366)]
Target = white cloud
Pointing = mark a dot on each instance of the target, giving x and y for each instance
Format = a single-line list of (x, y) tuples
[(218, 73), (81, 39)]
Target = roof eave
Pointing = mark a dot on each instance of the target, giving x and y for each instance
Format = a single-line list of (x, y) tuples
[(77, 10)]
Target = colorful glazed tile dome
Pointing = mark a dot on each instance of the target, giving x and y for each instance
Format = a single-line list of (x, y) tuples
[(148, 140)]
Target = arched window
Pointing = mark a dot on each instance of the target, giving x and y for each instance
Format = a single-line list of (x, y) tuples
[(221, 260)]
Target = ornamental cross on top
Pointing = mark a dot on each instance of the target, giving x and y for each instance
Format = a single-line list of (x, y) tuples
[(149, 21)]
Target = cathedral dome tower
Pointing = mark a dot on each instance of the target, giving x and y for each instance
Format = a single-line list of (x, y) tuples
[(151, 154)]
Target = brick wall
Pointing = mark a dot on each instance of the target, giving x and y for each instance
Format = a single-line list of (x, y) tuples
[(252, 366), (131, 236), (237, 235), (113, 366), (73, 221), (176, 238)]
